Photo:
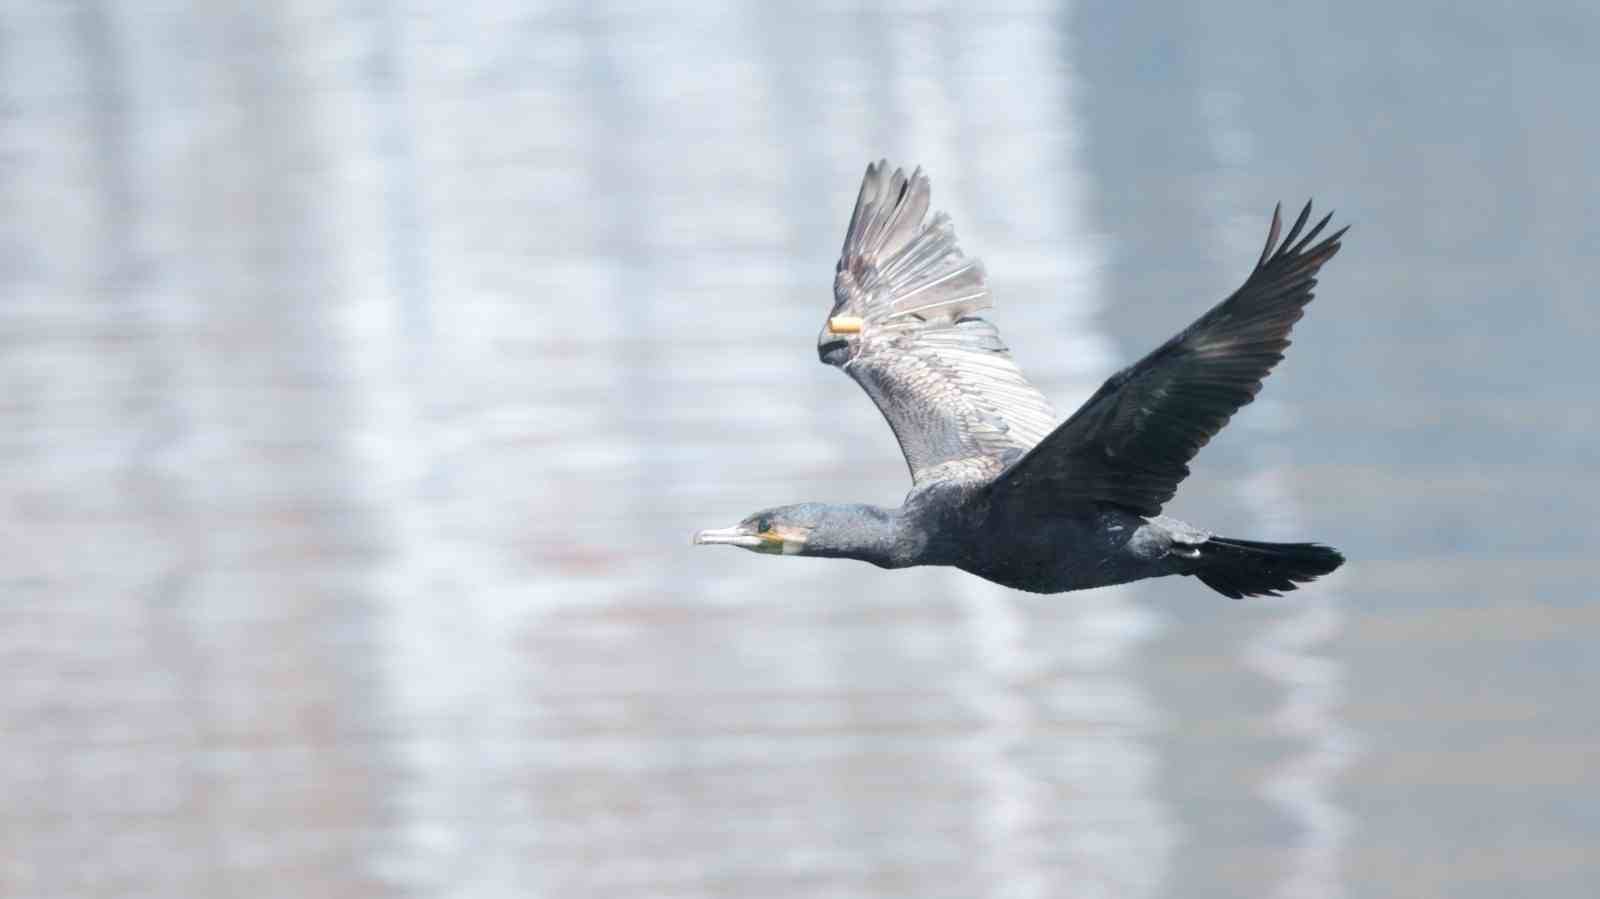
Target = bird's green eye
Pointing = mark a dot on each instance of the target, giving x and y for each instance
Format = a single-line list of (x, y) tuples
[(763, 524)]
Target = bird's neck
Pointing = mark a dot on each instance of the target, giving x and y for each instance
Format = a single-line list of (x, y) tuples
[(868, 533)]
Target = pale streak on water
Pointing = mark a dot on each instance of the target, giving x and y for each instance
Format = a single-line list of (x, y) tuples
[(368, 364)]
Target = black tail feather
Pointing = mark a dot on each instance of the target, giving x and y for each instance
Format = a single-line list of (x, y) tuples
[(1240, 568)]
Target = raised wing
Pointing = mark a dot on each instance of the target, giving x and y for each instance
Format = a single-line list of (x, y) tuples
[(1131, 443), (905, 326)]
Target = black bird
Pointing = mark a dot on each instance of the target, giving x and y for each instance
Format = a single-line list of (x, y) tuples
[(1000, 489)]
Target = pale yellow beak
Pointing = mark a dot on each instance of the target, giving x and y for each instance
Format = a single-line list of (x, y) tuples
[(734, 536)]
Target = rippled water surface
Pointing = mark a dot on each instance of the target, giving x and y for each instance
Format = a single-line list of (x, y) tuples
[(368, 365)]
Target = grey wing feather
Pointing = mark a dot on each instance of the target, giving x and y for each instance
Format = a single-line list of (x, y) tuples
[(1131, 443), (940, 374)]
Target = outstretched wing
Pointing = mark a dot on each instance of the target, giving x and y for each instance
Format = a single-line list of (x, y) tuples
[(1131, 443), (905, 326)]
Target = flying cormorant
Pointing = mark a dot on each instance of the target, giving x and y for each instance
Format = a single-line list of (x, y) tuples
[(1000, 489)]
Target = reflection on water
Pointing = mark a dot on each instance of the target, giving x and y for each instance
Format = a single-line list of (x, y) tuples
[(371, 363), (1292, 652)]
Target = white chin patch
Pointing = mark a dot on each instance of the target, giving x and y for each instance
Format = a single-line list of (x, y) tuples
[(793, 547)]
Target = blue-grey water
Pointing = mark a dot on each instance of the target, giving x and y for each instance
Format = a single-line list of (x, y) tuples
[(367, 365)]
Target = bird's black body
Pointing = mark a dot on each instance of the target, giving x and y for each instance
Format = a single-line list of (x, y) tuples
[(1002, 490), (953, 523), (959, 525)]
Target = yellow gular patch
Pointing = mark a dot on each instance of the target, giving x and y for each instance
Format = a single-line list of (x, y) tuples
[(787, 540), (845, 324)]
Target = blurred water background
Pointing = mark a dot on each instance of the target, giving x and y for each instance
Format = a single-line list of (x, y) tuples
[(367, 365)]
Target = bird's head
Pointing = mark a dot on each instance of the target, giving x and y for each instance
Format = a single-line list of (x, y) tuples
[(812, 529), (781, 530)]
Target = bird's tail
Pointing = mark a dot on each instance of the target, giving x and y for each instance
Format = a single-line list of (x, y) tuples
[(1240, 568)]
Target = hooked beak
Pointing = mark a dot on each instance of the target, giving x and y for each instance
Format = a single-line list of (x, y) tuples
[(734, 536)]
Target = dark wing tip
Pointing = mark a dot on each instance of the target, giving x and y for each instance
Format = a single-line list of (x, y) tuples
[(1296, 249), (1299, 222), (1333, 243), (1272, 235), (1312, 234)]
